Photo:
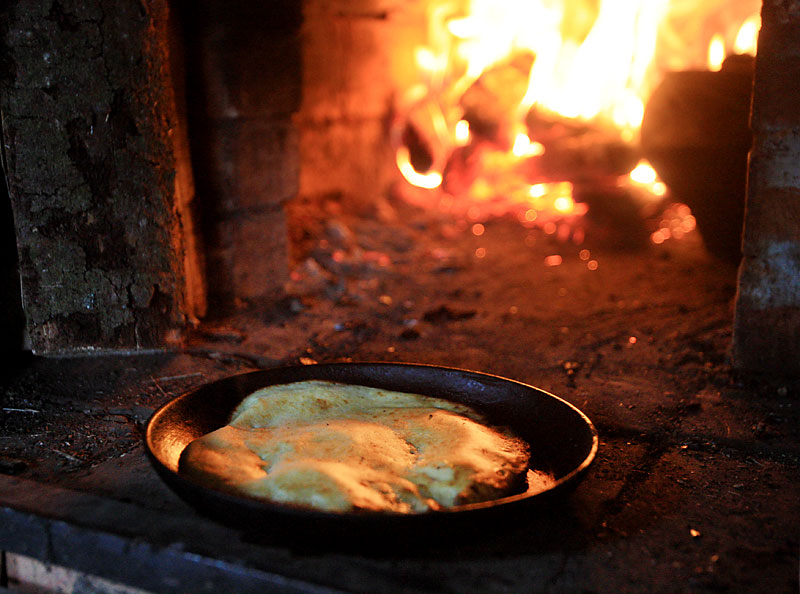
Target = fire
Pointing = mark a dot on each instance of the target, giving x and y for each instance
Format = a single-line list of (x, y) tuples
[(747, 37), (525, 147), (716, 52), (744, 42), (421, 180), (461, 133), (522, 102), (603, 74)]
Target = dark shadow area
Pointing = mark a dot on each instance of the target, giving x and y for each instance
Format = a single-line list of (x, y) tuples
[(12, 320)]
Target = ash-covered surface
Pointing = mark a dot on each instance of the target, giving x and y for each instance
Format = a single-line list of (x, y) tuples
[(695, 487)]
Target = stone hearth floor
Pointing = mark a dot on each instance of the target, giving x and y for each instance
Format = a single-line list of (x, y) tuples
[(695, 487)]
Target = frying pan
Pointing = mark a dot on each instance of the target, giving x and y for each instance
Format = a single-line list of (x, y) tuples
[(563, 442)]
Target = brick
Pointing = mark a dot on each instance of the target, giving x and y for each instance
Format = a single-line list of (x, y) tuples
[(334, 162), (253, 163), (249, 264), (246, 57), (357, 56)]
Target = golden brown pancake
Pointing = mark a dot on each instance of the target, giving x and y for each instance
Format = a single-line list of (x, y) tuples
[(341, 447)]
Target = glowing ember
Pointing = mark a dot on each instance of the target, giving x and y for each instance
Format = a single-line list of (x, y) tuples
[(677, 221), (461, 133), (644, 176), (421, 180), (643, 173), (524, 147)]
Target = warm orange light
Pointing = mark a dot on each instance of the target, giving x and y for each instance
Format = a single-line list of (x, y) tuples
[(563, 204), (461, 133), (524, 147), (643, 173), (747, 37), (605, 74), (463, 28), (421, 180), (554, 260), (716, 52), (537, 190), (548, 65)]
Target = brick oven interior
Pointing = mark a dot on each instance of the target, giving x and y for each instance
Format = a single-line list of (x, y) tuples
[(198, 191)]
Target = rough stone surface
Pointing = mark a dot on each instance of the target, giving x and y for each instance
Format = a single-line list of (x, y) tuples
[(694, 488), (88, 113), (767, 322)]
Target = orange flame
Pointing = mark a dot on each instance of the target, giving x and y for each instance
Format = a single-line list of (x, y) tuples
[(588, 63)]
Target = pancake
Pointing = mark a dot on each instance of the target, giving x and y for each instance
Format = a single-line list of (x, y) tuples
[(340, 447)]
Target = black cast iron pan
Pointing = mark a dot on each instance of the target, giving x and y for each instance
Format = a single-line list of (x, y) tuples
[(563, 442)]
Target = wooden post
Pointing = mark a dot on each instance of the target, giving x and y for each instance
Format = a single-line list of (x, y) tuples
[(98, 175), (767, 316)]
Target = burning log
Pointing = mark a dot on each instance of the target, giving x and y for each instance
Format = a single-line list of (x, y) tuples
[(696, 134), (489, 103), (582, 154), (419, 148), (577, 151)]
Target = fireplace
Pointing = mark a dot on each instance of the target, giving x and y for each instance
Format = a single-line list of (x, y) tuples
[(262, 215)]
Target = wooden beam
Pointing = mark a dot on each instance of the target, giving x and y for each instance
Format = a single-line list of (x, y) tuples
[(99, 186)]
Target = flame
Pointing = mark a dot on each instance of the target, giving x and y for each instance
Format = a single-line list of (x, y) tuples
[(428, 181), (605, 72), (747, 37), (461, 133), (525, 147), (744, 42), (716, 52), (499, 80)]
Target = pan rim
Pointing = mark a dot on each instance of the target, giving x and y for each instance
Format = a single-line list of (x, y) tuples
[(180, 483)]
